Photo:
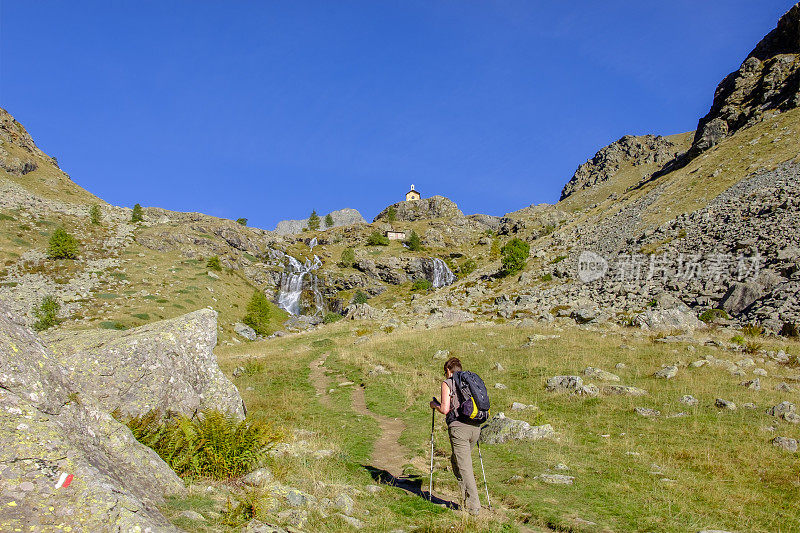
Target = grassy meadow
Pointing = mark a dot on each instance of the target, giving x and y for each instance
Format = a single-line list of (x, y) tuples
[(707, 468)]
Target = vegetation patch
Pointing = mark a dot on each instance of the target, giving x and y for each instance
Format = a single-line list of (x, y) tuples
[(46, 313)]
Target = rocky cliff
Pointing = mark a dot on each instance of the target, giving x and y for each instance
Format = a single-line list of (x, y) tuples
[(66, 464), (341, 217), (425, 209), (767, 83)]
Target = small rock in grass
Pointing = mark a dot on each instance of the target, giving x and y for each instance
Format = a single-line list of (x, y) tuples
[(373, 489), (296, 517), (725, 404), (192, 515), (698, 364), (783, 387), (561, 466), (499, 368), (623, 390), (258, 478), (752, 384), (556, 479), (344, 503), (602, 375), (750, 406), (441, 354), (760, 372), (688, 399), (786, 443), (355, 523), (781, 409), (647, 412), (256, 526), (668, 372), (792, 418), (564, 383), (517, 406), (500, 386)]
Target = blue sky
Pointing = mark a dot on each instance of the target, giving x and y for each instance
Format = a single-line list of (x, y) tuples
[(267, 110)]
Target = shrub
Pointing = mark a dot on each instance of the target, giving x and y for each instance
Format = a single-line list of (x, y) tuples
[(137, 215), (558, 259), (360, 297), (753, 330), (738, 339), (547, 230), (710, 315), (214, 444), (258, 313), (514, 256), (467, 267), (348, 258), (391, 214), (414, 243), (330, 318), (313, 221), (213, 263), (241, 221), (751, 347), (377, 239), (46, 313), (547, 277), (328, 221), (94, 214), (421, 284), (62, 245), (790, 329)]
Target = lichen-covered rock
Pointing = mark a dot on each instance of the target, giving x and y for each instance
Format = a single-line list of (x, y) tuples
[(501, 429), (167, 365), (49, 432)]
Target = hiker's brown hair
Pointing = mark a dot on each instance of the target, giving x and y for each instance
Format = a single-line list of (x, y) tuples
[(453, 365)]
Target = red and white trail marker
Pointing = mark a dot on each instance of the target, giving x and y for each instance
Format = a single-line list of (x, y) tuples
[(64, 480)]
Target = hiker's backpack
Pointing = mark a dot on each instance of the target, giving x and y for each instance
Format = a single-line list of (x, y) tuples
[(473, 398)]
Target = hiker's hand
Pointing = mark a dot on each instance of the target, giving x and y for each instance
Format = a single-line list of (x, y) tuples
[(434, 404)]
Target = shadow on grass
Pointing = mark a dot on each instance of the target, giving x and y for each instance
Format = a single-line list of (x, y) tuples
[(410, 484)]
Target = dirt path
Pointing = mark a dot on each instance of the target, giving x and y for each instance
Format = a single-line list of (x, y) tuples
[(319, 380), (388, 454)]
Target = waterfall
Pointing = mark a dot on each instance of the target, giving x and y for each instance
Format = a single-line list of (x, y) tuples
[(437, 272), (312, 243), (297, 277)]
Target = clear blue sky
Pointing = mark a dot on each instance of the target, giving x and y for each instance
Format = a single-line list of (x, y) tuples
[(268, 109)]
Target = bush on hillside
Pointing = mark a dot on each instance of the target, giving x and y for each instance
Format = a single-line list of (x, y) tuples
[(494, 252), (348, 258), (790, 329), (328, 221), (421, 284), (62, 245), (330, 318), (241, 221), (46, 313), (514, 256), (467, 267), (94, 214), (710, 315), (391, 214), (377, 239), (214, 263), (214, 444), (360, 297), (313, 221), (137, 215), (258, 313), (414, 243)]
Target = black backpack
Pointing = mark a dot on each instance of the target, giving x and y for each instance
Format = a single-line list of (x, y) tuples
[(473, 398)]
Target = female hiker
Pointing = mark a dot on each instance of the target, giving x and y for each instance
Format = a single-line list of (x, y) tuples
[(463, 437)]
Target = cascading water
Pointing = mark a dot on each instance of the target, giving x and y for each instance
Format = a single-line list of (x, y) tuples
[(438, 273), (296, 278)]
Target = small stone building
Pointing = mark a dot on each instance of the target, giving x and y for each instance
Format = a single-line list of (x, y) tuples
[(396, 235), (412, 194)]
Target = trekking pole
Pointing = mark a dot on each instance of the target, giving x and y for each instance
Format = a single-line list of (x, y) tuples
[(430, 485), (485, 485)]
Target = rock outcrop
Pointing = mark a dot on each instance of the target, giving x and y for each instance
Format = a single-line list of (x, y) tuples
[(767, 83), (342, 217), (425, 209), (167, 365), (65, 462), (632, 150)]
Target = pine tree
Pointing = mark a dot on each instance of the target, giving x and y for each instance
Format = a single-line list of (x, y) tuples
[(328, 221), (62, 245), (138, 214), (313, 221)]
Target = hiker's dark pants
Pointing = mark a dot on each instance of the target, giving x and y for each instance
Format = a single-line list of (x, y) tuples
[(463, 438)]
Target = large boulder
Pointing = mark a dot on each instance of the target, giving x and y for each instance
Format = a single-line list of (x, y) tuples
[(167, 365), (65, 463), (742, 294), (668, 314), (428, 208), (501, 429)]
